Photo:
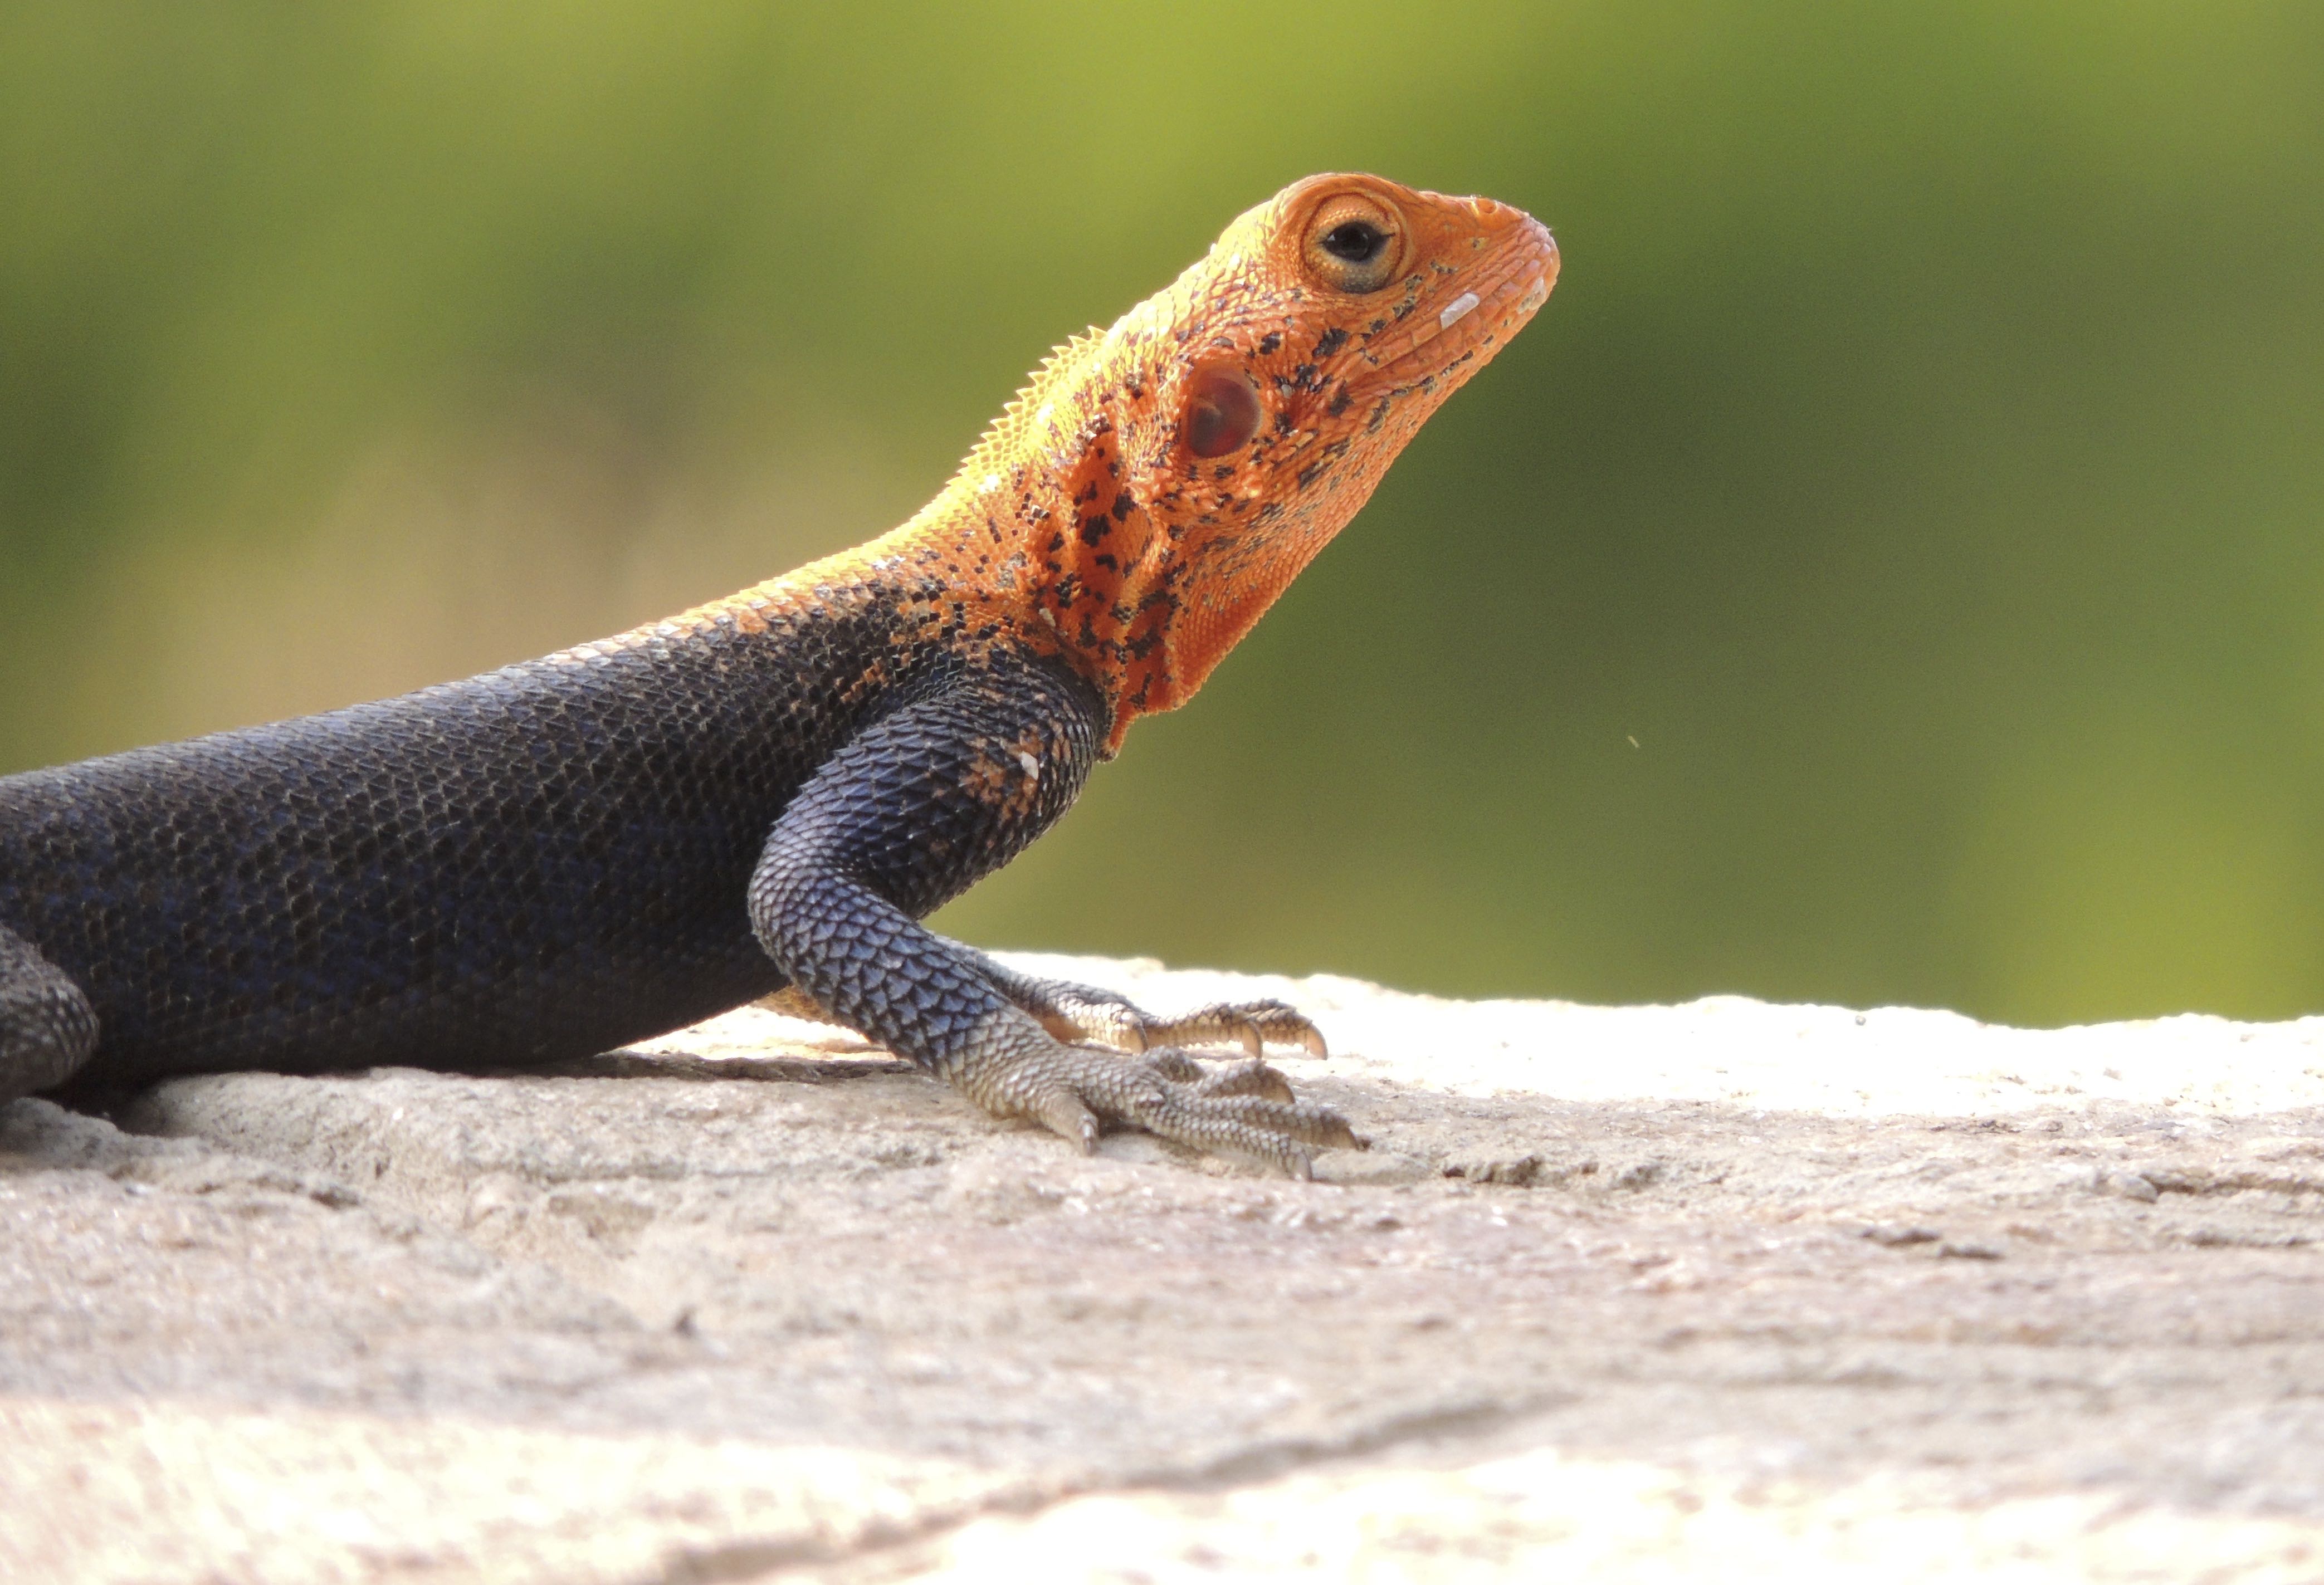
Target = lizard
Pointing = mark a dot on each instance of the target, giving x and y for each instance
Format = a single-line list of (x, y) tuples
[(765, 796)]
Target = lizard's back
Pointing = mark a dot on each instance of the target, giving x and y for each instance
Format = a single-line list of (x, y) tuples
[(542, 862)]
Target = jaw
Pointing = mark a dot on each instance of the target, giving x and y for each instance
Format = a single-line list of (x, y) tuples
[(1346, 422)]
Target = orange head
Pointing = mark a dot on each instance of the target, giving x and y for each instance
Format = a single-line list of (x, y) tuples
[(1169, 478)]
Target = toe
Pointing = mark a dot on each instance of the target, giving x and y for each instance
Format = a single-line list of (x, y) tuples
[(1296, 1119), (1251, 1077), (1061, 1112)]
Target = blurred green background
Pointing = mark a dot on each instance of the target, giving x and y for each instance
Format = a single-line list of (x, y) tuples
[(1889, 571)]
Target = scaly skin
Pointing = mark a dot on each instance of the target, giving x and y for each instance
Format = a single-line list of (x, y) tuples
[(766, 794)]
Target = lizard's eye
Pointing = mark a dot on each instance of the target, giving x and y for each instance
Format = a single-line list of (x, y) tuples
[(1354, 245), (1221, 412)]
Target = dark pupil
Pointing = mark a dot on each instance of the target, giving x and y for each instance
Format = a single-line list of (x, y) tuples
[(1356, 242)]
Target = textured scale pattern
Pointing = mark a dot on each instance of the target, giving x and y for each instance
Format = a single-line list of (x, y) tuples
[(771, 790), (537, 863)]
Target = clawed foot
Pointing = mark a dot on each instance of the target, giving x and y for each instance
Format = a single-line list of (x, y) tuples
[(1049, 1067), (1245, 1106), (1043, 1058)]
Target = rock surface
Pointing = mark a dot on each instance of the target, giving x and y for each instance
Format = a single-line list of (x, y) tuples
[(1719, 1291)]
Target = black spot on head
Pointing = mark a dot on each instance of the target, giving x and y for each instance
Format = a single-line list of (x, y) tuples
[(1095, 527), (1270, 344), (1340, 400), (1123, 506), (1330, 342)]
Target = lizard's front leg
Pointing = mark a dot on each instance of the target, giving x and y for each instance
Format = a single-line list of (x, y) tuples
[(943, 789)]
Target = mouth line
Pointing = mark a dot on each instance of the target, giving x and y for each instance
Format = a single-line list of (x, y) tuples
[(1478, 313)]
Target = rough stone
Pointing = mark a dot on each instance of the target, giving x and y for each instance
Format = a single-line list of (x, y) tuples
[(1714, 1291)]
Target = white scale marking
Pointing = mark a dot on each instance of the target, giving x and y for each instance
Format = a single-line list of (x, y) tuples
[(1032, 766), (1456, 310)]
